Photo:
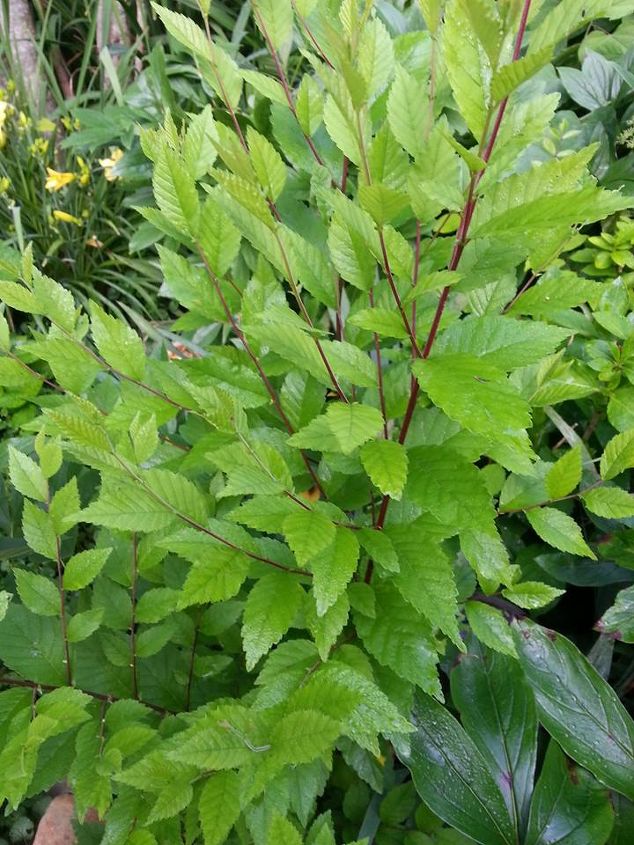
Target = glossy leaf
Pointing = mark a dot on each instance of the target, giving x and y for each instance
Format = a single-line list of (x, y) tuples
[(577, 707), (498, 712), (452, 776), (569, 806)]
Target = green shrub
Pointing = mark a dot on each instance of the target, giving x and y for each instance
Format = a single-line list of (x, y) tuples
[(388, 428)]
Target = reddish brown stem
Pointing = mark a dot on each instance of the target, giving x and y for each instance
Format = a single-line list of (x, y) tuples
[(133, 598), (258, 366), (284, 83), (458, 249), (379, 373)]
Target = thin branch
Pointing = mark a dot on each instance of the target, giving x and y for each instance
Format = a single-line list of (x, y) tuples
[(62, 610), (188, 520), (459, 245), (100, 696), (379, 373), (133, 599), (192, 661), (284, 82), (258, 365)]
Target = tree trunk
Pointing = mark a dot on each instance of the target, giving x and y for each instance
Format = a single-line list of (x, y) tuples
[(112, 32), (18, 30)]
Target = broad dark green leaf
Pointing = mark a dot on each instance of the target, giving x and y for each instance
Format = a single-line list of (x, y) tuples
[(569, 806), (576, 706), (498, 711), (452, 776)]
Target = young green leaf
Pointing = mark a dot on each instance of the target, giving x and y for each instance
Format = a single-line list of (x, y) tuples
[(618, 455), (83, 568), (559, 530), (342, 428), (564, 476), (219, 806), (268, 614), (609, 502), (532, 594), (38, 593), (26, 476), (385, 461)]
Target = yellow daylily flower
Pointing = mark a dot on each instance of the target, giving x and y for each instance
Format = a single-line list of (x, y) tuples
[(39, 147), (55, 180), (65, 217), (108, 164), (45, 125), (5, 184), (84, 172)]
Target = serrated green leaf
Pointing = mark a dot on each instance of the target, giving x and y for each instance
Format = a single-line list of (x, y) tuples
[(175, 191), (64, 506), (199, 147), (268, 614), (564, 476), (532, 594), (38, 530), (385, 461), (504, 343), (309, 105), (38, 593), (405, 112), (117, 343), (426, 579), (559, 530), (333, 568), (83, 625), (468, 68), (84, 567), (216, 575), (380, 548), (308, 533), (618, 455), (341, 429), (618, 620), (609, 502), (490, 627), (401, 639), (509, 77), (282, 832), (474, 393), (26, 476), (219, 806), (275, 20)]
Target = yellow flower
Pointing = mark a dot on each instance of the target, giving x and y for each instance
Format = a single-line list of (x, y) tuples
[(11, 86), (5, 184), (24, 121), (39, 147), (109, 163), (55, 180), (6, 110), (45, 125), (3, 139), (84, 172), (65, 217)]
